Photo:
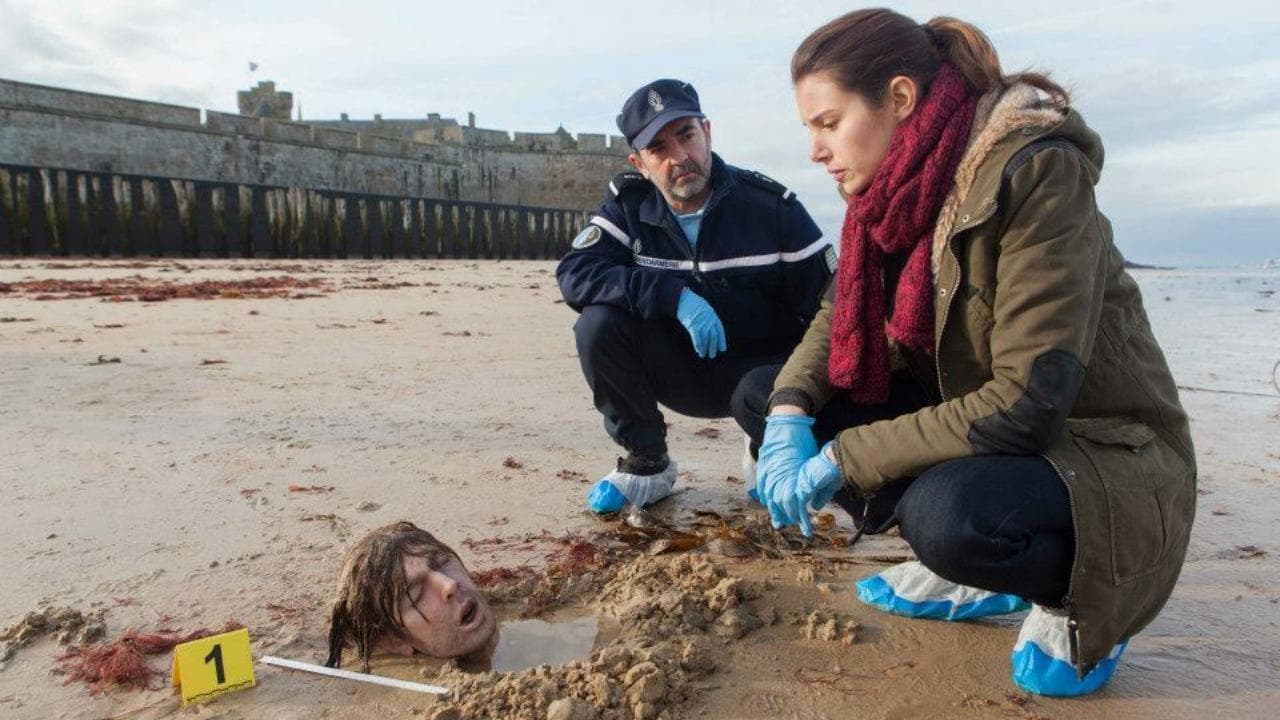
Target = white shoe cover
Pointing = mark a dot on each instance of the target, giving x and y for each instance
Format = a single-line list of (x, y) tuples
[(615, 490), (912, 590), (748, 467), (1041, 658)]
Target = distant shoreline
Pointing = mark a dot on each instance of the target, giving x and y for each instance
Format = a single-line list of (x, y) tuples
[(1187, 268), (1139, 266)]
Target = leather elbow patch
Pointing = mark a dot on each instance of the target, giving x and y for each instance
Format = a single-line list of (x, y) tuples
[(1038, 416)]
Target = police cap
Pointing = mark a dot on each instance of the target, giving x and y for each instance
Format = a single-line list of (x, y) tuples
[(650, 108)]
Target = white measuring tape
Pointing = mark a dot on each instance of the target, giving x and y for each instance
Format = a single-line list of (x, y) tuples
[(358, 677)]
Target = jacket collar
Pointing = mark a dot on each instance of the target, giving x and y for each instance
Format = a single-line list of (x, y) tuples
[(655, 211)]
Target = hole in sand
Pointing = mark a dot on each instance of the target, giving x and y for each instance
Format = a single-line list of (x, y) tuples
[(523, 644)]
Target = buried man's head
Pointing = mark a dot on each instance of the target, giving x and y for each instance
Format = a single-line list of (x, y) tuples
[(400, 590)]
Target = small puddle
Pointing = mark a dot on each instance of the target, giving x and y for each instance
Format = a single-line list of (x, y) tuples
[(523, 644)]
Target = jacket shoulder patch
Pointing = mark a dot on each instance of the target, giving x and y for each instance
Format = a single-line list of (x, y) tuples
[(626, 182), (766, 183), (589, 236)]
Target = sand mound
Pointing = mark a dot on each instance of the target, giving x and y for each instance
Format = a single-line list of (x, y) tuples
[(666, 607), (622, 681), (830, 626), (67, 625), (687, 593)]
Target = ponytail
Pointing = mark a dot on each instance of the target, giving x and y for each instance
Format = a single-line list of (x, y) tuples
[(865, 49), (970, 50)]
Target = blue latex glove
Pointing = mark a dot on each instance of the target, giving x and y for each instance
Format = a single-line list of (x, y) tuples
[(819, 480), (784, 504), (788, 443), (704, 326), (815, 483)]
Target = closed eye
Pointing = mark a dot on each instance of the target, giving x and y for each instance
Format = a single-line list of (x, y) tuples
[(415, 597), (824, 121)]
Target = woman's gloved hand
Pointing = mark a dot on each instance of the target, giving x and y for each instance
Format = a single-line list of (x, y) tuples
[(814, 484), (702, 323), (819, 480), (788, 443)]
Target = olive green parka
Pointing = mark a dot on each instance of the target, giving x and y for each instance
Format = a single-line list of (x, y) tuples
[(1042, 348)]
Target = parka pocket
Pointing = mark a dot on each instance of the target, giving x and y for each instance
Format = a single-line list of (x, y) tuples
[(979, 315), (1113, 431), (1138, 491), (978, 324)]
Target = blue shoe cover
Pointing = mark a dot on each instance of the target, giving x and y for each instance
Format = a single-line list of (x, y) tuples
[(1041, 659), (605, 498), (612, 492), (913, 590)]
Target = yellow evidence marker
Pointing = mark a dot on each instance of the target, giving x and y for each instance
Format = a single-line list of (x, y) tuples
[(206, 668)]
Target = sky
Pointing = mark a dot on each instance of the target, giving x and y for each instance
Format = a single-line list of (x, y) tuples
[(1186, 95)]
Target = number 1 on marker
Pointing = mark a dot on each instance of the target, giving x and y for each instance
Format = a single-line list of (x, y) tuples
[(216, 656), (211, 666)]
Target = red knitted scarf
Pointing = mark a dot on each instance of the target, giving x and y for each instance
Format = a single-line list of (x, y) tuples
[(896, 214)]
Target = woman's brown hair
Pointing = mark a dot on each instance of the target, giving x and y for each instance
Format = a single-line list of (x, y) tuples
[(865, 49)]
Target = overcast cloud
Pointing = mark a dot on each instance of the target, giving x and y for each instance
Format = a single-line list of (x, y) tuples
[(1184, 93)]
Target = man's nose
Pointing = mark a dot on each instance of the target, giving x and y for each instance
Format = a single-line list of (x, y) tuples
[(447, 585)]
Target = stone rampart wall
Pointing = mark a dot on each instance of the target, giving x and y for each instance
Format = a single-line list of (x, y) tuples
[(92, 174), (24, 95), (51, 127)]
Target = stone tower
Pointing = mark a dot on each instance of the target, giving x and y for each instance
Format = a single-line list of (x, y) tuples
[(264, 101)]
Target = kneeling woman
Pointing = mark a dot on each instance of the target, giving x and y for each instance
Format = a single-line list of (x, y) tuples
[(982, 372)]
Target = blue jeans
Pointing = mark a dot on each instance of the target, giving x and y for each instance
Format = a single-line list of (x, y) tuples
[(996, 522)]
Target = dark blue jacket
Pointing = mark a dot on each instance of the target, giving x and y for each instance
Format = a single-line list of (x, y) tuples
[(759, 260)]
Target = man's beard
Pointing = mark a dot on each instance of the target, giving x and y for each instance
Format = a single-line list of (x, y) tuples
[(692, 188)]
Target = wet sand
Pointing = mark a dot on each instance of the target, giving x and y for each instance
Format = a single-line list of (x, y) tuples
[(157, 489)]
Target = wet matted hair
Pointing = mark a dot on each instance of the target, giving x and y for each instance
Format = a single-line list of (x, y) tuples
[(371, 586)]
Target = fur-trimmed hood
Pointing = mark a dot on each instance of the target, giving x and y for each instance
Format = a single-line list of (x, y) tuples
[(1001, 115)]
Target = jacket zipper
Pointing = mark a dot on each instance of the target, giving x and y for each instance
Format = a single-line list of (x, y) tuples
[(1073, 626), (697, 260), (676, 233)]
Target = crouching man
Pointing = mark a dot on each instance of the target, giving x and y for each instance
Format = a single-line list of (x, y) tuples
[(691, 274)]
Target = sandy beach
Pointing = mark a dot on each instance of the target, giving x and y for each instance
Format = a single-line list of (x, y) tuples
[(178, 456)]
